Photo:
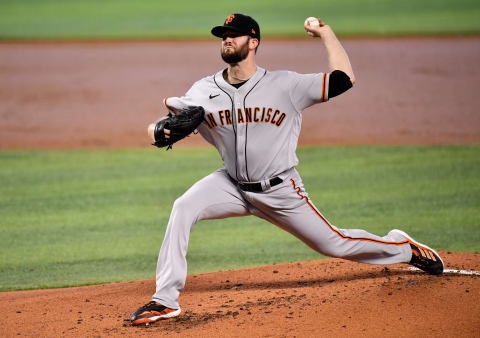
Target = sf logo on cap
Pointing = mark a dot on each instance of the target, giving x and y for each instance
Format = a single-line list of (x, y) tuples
[(229, 19)]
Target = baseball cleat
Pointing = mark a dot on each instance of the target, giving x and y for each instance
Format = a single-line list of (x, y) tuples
[(152, 312), (423, 257)]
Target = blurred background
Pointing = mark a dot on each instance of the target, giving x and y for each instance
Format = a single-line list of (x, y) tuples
[(85, 199), (120, 19)]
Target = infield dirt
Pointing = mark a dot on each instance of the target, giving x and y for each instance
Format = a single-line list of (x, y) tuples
[(326, 298), (90, 95)]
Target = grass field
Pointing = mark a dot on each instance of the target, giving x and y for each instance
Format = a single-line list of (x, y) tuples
[(118, 19), (91, 216)]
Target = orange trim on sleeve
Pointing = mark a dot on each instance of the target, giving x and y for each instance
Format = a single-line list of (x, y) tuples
[(335, 230), (323, 86)]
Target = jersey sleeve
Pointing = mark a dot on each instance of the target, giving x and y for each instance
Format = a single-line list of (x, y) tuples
[(174, 104), (191, 98), (308, 89)]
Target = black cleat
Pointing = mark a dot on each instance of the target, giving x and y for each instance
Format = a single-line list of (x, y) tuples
[(423, 257), (152, 312)]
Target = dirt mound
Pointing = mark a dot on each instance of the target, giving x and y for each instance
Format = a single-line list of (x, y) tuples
[(307, 299)]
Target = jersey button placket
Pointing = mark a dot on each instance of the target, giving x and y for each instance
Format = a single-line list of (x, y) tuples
[(240, 138)]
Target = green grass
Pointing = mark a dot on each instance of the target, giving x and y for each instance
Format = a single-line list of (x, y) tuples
[(118, 19), (92, 216)]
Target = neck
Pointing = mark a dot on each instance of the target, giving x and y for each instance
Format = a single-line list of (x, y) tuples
[(240, 72)]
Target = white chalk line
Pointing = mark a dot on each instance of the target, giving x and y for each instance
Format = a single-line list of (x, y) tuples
[(454, 272)]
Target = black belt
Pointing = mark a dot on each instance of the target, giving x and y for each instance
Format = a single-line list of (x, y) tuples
[(257, 187)]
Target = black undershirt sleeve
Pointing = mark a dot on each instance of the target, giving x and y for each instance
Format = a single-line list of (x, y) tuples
[(338, 83)]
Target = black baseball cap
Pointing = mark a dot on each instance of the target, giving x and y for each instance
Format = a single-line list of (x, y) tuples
[(238, 23)]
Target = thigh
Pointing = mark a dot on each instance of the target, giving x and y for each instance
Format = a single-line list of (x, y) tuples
[(289, 207), (215, 196)]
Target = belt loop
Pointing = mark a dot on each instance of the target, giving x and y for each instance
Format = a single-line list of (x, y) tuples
[(267, 185)]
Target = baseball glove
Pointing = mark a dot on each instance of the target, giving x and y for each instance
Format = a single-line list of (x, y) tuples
[(180, 125)]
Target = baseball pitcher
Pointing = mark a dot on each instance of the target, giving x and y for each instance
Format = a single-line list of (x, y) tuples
[(253, 116)]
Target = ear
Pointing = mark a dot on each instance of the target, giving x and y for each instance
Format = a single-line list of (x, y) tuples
[(253, 43)]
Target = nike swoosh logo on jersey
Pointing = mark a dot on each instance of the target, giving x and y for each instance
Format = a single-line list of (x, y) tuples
[(213, 96)]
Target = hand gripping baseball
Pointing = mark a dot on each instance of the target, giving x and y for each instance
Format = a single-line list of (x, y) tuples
[(179, 126), (314, 26)]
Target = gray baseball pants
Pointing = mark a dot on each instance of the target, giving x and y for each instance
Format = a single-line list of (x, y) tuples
[(285, 205)]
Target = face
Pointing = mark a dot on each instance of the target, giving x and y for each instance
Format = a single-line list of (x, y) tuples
[(234, 47)]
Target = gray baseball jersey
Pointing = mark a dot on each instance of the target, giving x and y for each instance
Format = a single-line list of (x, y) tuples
[(255, 129)]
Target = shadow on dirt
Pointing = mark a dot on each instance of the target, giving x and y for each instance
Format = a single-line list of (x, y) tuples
[(299, 283), (231, 309)]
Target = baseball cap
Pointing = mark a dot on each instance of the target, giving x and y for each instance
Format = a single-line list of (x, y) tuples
[(238, 23)]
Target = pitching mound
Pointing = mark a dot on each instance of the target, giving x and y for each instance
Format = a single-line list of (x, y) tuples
[(307, 299)]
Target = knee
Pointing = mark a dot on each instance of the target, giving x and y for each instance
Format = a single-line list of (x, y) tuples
[(183, 204), (186, 207), (180, 204)]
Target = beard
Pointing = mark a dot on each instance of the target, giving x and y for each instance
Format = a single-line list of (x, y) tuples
[(235, 56)]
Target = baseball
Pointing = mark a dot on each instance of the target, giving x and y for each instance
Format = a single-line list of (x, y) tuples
[(312, 21)]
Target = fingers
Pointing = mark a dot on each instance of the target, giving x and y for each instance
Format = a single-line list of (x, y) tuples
[(310, 29), (315, 28), (166, 131), (151, 129)]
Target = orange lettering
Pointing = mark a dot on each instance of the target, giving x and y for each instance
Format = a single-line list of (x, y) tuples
[(268, 114), (229, 19), (240, 116), (248, 114), (220, 113), (228, 117), (212, 121), (280, 120), (255, 111), (273, 118)]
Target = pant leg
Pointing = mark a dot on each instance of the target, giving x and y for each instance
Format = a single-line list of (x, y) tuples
[(214, 196), (289, 207)]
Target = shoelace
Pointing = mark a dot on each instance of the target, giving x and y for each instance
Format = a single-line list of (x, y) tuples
[(147, 306)]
